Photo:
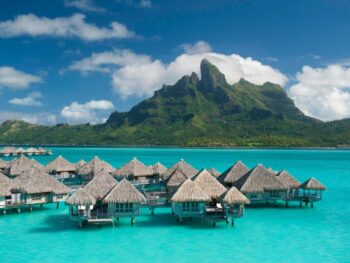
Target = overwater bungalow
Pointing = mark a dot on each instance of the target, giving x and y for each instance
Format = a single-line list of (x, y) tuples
[(32, 151), (7, 151), (311, 191), (214, 172), (21, 164), (124, 200), (159, 170), (136, 171), (176, 178), (20, 151), (189, 201), (79, 165), (90, 169), (233, 202), (209, 185), (290, 182), (35, 187), (261, 185), (233, 173), (3, 164), (184, 166), (5, 193), (80, 205), (61, 168)]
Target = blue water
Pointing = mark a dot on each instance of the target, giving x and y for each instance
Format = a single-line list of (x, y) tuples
[(321, 234)]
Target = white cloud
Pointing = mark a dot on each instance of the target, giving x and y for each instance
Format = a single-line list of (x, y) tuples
[(137, 3), (197, 48), (34, 118), (85, 5), (30, 100), (103, 61), (145, 3), (139, 75), (323, 93), (15, 79), (73, 26), (95, 111)]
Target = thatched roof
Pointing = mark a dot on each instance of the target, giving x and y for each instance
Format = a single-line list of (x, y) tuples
[(312, 184), (42, 150), (18, 165), (209, 184), (287, 179), (8, 150), (81, 197), (20, 150), (3, 164), (185, 167), (159, 169), (233, 196), (176, 178), (214, 172), (134, 168), (60, 165), (79, 165), (233, 173), (95, 166), (189, 191), (5, 184), (258, 180), (34, 180), (124, 192), (32, 150), (100, 185)]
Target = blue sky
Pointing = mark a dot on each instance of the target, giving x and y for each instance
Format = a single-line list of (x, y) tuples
[(76, 61)]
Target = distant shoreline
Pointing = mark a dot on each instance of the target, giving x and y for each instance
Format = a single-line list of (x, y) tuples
[(178, 147)]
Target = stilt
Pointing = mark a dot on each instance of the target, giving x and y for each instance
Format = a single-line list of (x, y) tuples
[(227, 221), (312, 204), (287, 204), (132, 221), (4, 212), (18, 210), (30, 208), (214, 224), (117, 218), (152, 211), (41, 205), (80, 224), (57, 205), (233, 222), (300, 204)]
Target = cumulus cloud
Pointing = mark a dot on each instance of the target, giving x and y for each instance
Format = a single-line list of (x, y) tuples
[(15, 79), (73, 26), (34, 118), (85, 5), (30, 100), (94, 111), (323, 93), (137, 3), (140, 75), (197, 48)]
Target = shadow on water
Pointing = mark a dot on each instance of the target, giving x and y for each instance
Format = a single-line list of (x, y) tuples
[(56, 223)]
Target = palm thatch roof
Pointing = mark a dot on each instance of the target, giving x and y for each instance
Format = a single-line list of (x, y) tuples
[(19, 165), (233, 197), (3, 164), (312, 184), (214, 172), (233, 173), (134, 168), (5, 184), (100, 185), (184, 166), (176, 178), (124, 192), (60, 165), (81, 197), (79, 165), (8, 150), (42, 150), (258, 180), (20, 150), (159, 169), (34, 180), (189, 191), (209, 184), (287, 179), (95, 166), (32, 150)]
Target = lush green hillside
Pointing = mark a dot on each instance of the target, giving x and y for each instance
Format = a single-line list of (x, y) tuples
[(197, 112)]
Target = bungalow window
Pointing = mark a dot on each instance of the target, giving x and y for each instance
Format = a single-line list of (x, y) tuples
[(123, 208), (274, 193), (36, 196), (59, 196)]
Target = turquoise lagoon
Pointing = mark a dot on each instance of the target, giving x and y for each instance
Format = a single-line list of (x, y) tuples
[(264, 234)]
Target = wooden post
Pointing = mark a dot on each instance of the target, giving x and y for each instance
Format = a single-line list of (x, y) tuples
[(312, 204), (132, 221), (233, 222), (4, 212), (57, 205), (152, 211), (287, 205), (300, 204), (30, 208), (18, 210)]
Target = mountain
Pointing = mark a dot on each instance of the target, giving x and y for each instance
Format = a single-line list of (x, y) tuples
[(195, 111)]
